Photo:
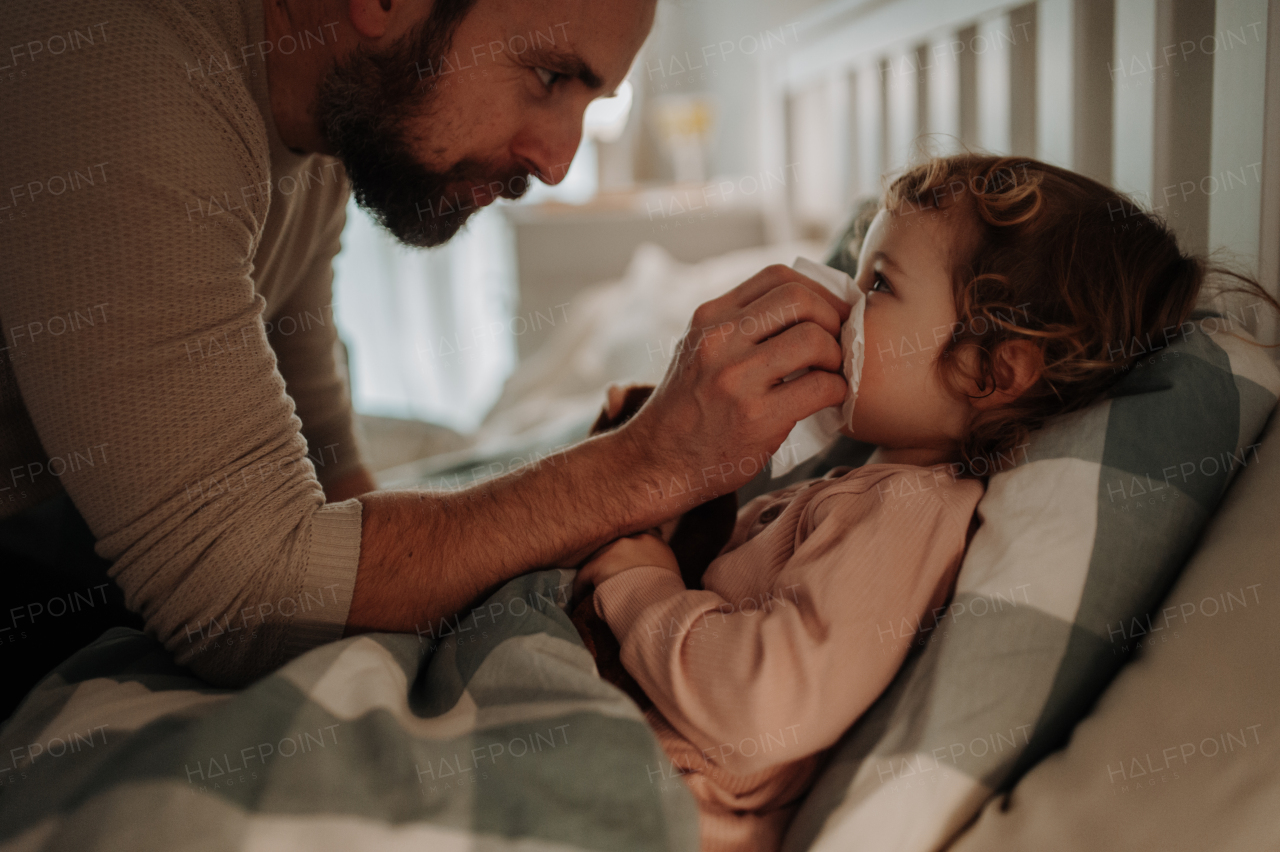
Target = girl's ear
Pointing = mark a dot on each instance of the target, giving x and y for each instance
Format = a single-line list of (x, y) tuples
[(1016, 366)]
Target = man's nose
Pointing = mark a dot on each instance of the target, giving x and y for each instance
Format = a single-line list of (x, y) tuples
[(546, 146)]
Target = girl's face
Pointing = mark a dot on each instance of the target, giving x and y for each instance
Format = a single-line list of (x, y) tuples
[(905, 270)]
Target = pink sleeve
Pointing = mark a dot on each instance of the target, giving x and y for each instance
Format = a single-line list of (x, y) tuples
[(798, 664)]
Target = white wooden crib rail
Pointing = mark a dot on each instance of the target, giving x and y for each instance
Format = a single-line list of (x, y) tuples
[(1175, 101)]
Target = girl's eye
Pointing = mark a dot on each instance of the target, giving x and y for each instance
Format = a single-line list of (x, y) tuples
[(548, 78), (880, 284)]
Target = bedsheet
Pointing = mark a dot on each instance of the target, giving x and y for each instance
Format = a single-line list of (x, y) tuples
[(489, 730)]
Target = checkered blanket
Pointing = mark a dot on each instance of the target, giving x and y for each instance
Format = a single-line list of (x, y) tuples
[(1084, 530), (489, 730)]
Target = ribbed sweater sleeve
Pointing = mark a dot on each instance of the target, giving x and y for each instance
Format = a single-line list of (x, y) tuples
[(304, 337), (198, 487), (791, 632)]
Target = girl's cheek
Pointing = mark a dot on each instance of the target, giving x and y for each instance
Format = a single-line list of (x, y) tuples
[(873, 351), (881, 357)]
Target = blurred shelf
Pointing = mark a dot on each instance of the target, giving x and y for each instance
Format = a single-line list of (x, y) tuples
[(562, 248)]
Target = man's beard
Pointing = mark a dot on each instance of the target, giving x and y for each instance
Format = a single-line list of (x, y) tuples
[(364, 106)]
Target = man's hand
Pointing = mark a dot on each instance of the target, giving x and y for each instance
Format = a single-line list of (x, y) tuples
[(712, 424), (634, 551), (722, 409)]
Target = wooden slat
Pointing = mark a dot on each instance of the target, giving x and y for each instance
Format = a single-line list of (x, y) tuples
[(1055, 27), (1135, 65), (771, 137), (994, 39), (869, 127), (1181, 154), (864, 30), (901, 91), (839, 104), (1234, 182), (923, 64), (942, 82), (815, 188), (1022, 80), (1073, 85), (1093, 36), (968, 70), (1269, 221), (1089, 84)]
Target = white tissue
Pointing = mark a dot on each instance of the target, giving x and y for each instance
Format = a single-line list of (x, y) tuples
[(811, 435)]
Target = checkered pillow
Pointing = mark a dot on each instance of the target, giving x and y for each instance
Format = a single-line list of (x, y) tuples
[(1080, 540)]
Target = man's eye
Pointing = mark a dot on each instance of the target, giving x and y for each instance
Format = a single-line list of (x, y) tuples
[(548, 78)]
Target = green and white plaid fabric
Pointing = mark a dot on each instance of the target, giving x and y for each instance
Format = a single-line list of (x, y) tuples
[(1083, 532), (490, 731), (493, 732)]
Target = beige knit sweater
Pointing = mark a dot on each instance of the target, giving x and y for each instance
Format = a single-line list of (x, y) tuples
[(165, 299)]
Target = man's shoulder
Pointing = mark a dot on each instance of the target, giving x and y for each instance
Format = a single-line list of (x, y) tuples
[(111, 54), (128, 85), (45, 36)]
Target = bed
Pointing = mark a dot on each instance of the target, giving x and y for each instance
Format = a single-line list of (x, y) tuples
[(493, 729)]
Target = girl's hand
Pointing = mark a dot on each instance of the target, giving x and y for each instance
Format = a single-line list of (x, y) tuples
[(615, 395), (634, 551)]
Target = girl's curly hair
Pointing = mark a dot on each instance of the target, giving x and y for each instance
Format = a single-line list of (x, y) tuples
[(1093, 280)]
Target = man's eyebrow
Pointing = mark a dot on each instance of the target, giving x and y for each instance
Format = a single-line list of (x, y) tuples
[(564, 62)]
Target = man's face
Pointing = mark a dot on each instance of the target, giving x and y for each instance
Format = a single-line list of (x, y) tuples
[(432, 125)]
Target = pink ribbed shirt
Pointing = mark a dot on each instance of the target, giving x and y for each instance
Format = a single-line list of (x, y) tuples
[(806, 616)]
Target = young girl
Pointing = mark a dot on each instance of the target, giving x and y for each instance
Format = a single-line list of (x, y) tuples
[(1000, 292)]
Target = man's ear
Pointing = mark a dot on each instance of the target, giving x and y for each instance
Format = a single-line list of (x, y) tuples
[(369, 17), (1016, 366)]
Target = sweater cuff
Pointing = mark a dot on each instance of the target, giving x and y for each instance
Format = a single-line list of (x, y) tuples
[(331, 569), (622, 599)]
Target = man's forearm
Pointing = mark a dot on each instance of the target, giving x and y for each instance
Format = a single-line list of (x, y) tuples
[(425, 555), (721, 410)]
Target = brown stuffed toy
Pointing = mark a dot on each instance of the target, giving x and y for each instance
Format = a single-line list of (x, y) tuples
[(698, 538)]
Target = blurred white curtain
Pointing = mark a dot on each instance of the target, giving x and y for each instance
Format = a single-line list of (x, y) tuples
[(428, 330)]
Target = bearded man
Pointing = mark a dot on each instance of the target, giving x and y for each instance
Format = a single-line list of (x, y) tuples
[(176, 443)]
